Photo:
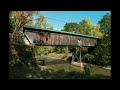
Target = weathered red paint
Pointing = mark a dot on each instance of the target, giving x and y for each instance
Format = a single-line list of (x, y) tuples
[(51, 38)]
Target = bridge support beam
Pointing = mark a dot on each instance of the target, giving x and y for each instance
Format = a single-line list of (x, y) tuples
[(80, 60)]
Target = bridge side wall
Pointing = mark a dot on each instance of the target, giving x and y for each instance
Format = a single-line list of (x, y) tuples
[(51, 38)]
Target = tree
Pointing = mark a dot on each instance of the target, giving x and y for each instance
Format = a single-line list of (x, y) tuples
[(17, 19), (86, 27), (71, 27), (97, 32), (43, 23), (105, 24), (11, 23), (102, 52), (20, 18)]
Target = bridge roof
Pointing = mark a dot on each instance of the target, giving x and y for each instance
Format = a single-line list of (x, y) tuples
[(56, 31)]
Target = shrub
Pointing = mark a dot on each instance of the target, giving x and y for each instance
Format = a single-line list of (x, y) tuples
[(16, 38), (44, 50), (22, 55), (88, 57), (88, 69), (61, 49), (102, 52), (13, 56)]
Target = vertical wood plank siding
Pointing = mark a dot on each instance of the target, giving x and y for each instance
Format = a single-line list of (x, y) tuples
[(51, 38)]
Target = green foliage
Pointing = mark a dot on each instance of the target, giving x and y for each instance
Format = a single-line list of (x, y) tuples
[(96, 31), (61, 49), (44, 50), (22, 55), (84, 27), (105, 24), (50, 49), (43, 23), (18, 38), (73, 75), (20, 18), (24, 72), (84, 50), (71, 27), (17, 19), (37, 73), (57, 71), (13, 56), (102, 51), (89, 57), (39, 50), (11, 23), (88, 69)]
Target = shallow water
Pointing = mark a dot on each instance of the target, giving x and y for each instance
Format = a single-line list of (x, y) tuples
[(56, 63)]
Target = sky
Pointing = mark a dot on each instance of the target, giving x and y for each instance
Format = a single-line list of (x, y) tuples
[(59, 18)]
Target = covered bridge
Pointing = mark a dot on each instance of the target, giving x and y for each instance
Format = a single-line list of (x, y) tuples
[(46, 37)]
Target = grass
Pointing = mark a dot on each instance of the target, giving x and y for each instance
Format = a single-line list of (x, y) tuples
[(37, 73), (97, 70)]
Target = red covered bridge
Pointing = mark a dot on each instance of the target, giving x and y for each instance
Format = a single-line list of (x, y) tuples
[(46, 37)]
